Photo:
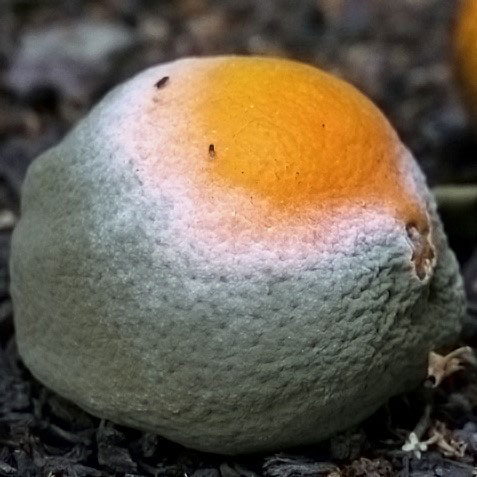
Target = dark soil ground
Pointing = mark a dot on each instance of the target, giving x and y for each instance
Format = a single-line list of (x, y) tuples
[(57, 58)]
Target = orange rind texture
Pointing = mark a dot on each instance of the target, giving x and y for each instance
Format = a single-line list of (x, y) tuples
[(292, 145), (241, 258), (465, 46), (294, 138)]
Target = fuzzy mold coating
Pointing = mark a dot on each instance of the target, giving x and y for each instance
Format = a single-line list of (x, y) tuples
[(243, 257)]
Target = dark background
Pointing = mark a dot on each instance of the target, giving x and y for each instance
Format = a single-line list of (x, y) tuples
[(57, 58)]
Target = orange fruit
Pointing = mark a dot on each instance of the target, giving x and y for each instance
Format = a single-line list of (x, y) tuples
[(465, 45), (236, 253)]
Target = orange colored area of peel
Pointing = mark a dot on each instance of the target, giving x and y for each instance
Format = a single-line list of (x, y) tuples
[(261, 144), (297, 136), (465, 43)]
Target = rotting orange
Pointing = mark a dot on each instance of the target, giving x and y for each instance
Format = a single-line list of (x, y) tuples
[(236, 253)]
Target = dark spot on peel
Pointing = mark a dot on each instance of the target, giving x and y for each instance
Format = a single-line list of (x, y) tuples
[(211, 151), (162, 82)]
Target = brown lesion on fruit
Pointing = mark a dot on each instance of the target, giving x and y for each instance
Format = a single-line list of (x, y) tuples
[(423, 255)]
